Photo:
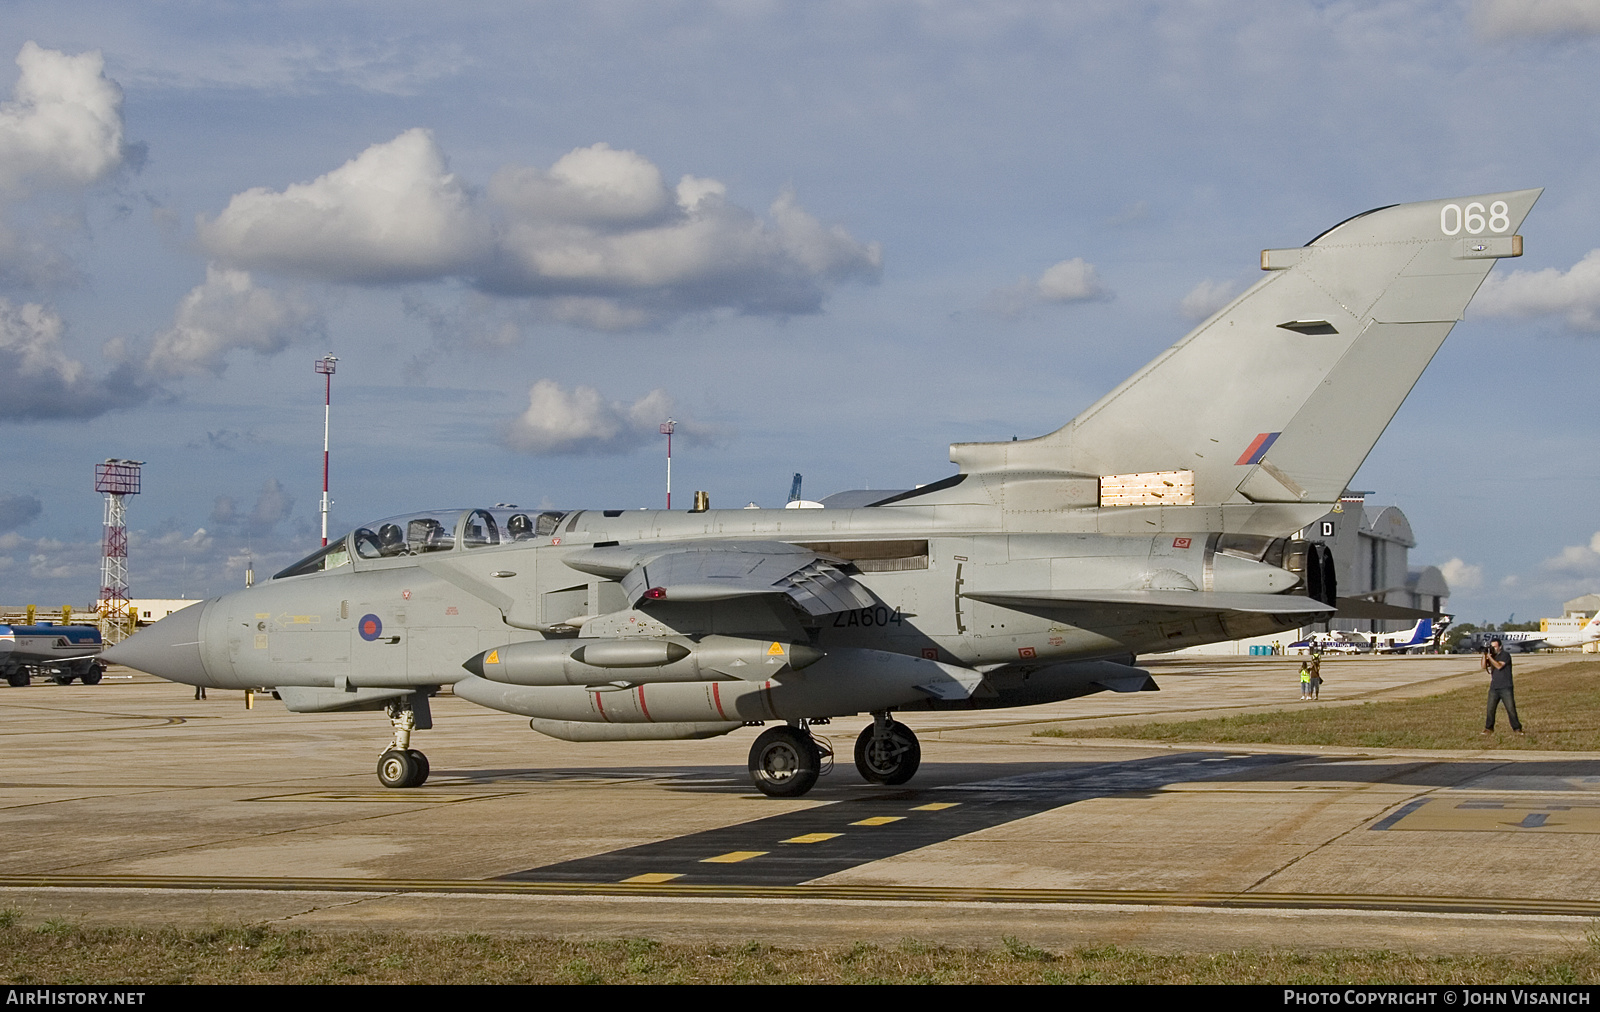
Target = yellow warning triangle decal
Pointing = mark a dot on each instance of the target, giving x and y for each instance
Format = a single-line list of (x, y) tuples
[(776, 650), (493, 658)]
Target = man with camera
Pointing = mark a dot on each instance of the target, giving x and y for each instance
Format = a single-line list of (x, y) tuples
[(1497, 662)]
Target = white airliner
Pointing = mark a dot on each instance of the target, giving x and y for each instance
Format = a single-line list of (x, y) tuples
[(1590, 633)]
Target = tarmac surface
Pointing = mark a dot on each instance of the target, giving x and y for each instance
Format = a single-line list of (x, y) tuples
[(131, 802)]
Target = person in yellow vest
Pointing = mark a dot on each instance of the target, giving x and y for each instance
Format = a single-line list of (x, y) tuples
[(1305, 679)]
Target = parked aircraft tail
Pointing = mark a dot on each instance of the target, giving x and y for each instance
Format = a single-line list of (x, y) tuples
[(1279, 397)]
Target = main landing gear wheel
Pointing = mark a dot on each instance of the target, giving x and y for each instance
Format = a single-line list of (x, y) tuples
[(94, 676), (398, 768), (785, 762), (17, 679), (887, 752)]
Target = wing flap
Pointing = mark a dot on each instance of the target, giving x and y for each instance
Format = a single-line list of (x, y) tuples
[(1163, 600)]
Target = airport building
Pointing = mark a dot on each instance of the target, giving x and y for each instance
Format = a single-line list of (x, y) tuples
[(1581, 607)]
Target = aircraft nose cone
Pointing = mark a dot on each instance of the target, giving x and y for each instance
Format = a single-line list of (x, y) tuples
[(169, 649)]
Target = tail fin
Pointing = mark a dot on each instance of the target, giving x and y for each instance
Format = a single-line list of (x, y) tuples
[(1281, 395)]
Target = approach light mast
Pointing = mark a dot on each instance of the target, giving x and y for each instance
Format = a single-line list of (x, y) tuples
[(325, 367), (667, 428)]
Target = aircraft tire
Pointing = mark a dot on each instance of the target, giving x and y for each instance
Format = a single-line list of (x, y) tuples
[(93, 676), (18, 679), (784, 762), (398, 769), (892, 762), (422, 766)]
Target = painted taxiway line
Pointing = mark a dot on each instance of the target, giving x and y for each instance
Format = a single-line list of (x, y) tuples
[(885, 893)]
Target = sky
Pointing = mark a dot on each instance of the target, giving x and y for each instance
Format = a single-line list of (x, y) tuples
[(827, 238)]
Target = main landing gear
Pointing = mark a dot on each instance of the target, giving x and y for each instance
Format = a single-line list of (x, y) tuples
[(887, 752), (786, 761), (401, 765)]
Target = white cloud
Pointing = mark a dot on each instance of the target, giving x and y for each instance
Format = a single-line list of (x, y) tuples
[(581, 422), (590, 186), (1577, 560), (226, 312), (599, 236), (1206, 298), (39, 379), (63, 127), (1501, 19), (393, 213), (200, 540), (45, 567), (1074, 280), (1573, 294), (297, 67), (1461, 576)]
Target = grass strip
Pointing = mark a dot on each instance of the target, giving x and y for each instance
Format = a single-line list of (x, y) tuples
[(1559, 707), (55, 952)]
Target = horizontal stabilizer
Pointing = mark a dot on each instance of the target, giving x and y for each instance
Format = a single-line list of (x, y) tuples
[(1360, 607), (1160, 600)]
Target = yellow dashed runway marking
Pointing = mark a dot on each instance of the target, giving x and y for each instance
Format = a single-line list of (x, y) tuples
[(936, 807), (651, 878), (733, 857), (813, 838), (879, 820)]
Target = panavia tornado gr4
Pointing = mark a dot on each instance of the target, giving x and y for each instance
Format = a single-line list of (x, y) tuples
[(1169, 513)]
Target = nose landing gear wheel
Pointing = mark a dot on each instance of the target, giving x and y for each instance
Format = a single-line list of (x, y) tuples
[(784, 762), (890, 756), (399, 769)]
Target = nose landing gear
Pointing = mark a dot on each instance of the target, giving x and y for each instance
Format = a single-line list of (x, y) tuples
[(401, 765)]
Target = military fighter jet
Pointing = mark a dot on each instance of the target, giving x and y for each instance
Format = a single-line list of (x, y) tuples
[(1169, 513)]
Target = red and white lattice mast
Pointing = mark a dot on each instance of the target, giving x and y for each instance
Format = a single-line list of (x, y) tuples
[(117, 479)]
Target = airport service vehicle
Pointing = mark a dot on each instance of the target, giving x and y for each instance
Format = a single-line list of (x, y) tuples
[(1169, 513), (63, 652)]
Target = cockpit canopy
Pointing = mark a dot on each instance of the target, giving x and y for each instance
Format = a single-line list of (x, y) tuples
[(431, 531)]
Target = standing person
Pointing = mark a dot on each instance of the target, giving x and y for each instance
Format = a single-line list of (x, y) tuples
[(1305, 679), (1316, 675), (1497, 662)]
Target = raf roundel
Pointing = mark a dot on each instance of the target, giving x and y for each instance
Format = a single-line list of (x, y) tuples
[(370, 627)]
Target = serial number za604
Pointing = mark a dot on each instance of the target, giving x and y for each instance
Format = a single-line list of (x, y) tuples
[(880, 615)]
